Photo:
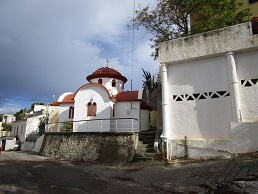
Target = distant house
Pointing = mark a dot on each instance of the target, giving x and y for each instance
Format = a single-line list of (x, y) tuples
[(209, 93), (8, 118), (102, 105)]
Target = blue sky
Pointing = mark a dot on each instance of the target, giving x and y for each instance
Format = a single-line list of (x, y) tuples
[(48, 47)]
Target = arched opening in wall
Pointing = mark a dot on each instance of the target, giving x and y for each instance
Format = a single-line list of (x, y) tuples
[(92, 109), (71, 112), (100, 81), (113, 110), (113, 83), (89, 109)]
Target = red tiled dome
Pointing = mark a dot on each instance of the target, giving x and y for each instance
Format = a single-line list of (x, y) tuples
[(106, 72)]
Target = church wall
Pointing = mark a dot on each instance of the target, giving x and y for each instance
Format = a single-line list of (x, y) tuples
[(64, 114), (126, 110), (107, 82), (92, 94)]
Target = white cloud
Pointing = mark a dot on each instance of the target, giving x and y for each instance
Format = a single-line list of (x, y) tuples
[(49, 47)]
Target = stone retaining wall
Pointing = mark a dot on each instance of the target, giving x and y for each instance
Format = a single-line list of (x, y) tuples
[(109, 148)]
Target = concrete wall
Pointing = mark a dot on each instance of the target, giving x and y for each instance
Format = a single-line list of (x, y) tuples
[(233, 38), (247, 72), (211, 92), (200, 107), (90, 147)]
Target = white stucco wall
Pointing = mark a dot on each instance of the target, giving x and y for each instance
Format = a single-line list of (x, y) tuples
[(64, 114), (220, 64), (92, 93), (32, 125), (19, 129), (247, 70), (107, 82), (193, 117), (10, 144), (217, 42), (126, 110), (38, 107), (144, 120)]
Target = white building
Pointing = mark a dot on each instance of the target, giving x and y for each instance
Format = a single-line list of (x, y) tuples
[(102, 106), (26, 131), (8, 118), (210, 92)]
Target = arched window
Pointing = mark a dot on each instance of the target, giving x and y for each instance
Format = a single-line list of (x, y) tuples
[(92, 109), (113, 83), (113, 110), (100, 81), (89, 109), (71, 112)]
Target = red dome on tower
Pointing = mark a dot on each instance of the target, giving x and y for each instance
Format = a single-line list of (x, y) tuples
[(106, 72)]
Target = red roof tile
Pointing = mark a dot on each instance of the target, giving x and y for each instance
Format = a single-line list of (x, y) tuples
[(127, 96), (67, 99), (106, 72), (54, 103)]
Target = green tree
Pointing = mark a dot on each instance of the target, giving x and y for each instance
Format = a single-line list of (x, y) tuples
[(217, 14), (7, 127), (42, 124), (170, 19), (21, 114)]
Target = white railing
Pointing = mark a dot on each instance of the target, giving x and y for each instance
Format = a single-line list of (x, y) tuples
[(96, 125), (5, 133)]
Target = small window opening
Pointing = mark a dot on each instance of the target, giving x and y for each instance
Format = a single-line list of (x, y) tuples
[(113, 83), (100, 81), (71, 112), (92, 109)]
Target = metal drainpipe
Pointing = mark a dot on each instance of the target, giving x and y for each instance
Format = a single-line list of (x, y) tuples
[(166, 135), (234, 90)]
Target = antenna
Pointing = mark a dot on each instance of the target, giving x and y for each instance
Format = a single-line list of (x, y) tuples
[(132, 57)]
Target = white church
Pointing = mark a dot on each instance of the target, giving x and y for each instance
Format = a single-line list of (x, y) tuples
[(101, 105)]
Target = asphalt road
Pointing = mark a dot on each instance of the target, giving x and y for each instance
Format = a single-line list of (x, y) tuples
[(22, 172), (28, 173)]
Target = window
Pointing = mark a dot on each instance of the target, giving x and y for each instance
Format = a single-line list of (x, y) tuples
[(252, 1), (113, 83), (92, 109), (113, 110), (71, 112), (100, 81)]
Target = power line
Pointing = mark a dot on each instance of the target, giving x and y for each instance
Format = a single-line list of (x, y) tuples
[(20, 99)]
